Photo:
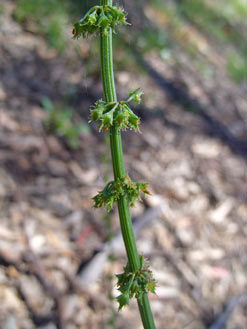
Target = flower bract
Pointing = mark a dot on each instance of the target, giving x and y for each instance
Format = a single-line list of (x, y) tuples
[(99, 17), (135, 284), (121, 187)]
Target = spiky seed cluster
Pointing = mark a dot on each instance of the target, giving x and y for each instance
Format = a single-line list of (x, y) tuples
[(99, 17), (121, 187), (135, 284), (117, 113)]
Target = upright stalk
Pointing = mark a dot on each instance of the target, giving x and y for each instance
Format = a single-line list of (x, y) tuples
[(116, 145), (119, 169), (137, 278)]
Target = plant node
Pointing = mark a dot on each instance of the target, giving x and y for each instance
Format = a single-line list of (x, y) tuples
[(135, 284), (121, 187), (118, 114), (99, 17)]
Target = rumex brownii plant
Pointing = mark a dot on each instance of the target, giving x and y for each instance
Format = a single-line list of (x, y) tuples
[(115, 116)]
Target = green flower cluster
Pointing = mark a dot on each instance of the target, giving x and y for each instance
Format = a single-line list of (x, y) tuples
[(135, 284), (121, 187), (117, 113), (99, 17)]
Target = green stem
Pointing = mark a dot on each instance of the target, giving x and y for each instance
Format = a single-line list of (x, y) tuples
[(119, 169)]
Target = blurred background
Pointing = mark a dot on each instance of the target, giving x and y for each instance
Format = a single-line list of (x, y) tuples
[(58, 255)]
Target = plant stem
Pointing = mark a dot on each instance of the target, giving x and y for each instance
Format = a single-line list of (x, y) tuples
[(119, 169)]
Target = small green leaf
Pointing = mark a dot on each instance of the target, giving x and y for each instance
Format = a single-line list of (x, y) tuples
[(134, 121), (95, 114), (141, 261), (92, 19), (123, 300), (135, 96), (151, 285), (103, 21), (121, 278), (47, 104), (120, 117), (108, 119)]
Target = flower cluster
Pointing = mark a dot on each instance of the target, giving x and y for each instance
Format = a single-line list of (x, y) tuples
[(121, 187), (99, 17), (117, 113), (135, 284)]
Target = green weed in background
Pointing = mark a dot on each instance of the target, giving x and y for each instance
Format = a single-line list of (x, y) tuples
[(153, 38), (60, 122), (233, 9), (237, 68), (45, 17), (214, 20), (221, 20), (50, 17)]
